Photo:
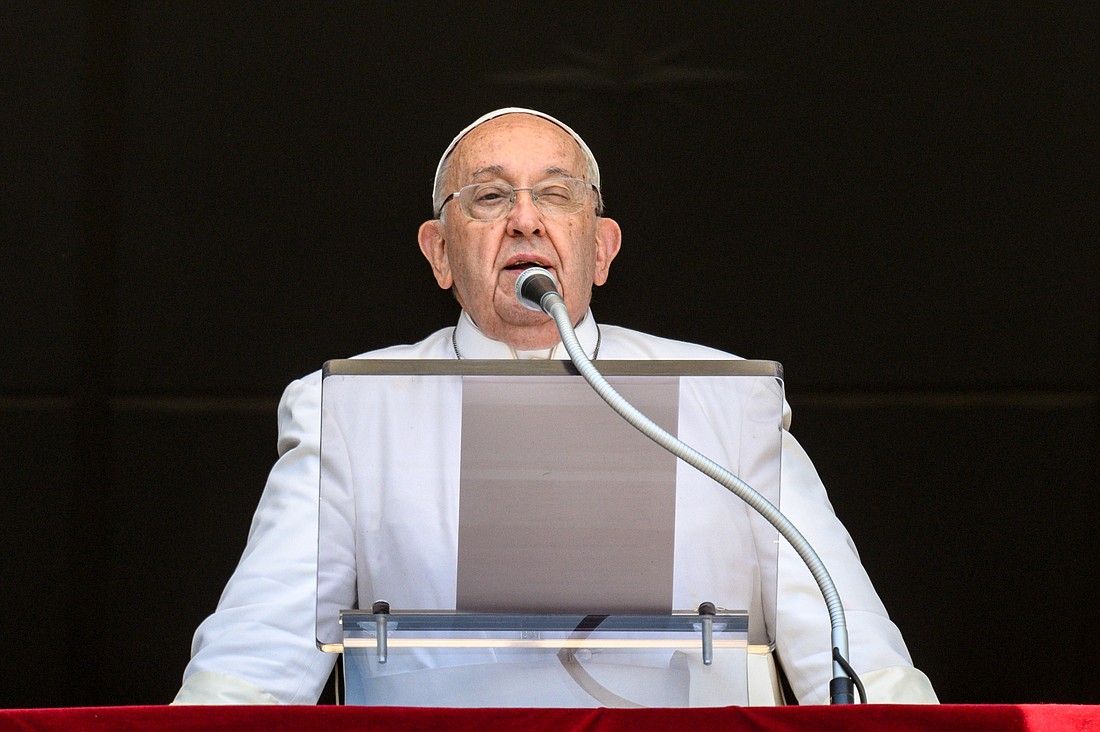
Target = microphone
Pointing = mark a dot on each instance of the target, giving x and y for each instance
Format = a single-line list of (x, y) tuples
[(533, 288)]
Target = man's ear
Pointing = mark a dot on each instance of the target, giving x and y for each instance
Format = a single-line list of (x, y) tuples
[(434, 248), (609, 237)]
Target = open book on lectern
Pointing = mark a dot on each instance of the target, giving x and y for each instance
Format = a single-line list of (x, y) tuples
[(511, 487)]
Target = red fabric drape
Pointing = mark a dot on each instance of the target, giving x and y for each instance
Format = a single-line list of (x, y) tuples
[(999, 718)]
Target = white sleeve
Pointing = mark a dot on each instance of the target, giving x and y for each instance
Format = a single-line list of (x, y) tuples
[(258, 646), (877, 651)]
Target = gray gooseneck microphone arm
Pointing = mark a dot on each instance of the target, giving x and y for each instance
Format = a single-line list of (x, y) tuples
[(537, 290)]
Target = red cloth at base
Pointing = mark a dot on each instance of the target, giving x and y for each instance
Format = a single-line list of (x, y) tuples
[(896, 718)]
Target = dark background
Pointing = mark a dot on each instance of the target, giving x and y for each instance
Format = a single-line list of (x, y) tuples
[(202, 201)]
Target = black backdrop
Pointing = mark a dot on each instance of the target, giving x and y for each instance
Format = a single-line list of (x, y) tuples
[(203, 201)]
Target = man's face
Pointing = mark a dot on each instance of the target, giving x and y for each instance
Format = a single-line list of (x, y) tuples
[(482, 259)]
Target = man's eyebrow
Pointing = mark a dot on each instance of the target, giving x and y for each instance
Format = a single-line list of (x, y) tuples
[(495, 170), (560, 173)]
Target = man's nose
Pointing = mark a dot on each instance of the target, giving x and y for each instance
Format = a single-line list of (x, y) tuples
[(525, 219)]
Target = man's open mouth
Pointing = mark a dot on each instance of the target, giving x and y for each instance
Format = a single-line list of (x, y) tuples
[(522, 265)]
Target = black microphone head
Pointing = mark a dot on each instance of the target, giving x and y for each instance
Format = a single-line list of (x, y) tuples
[(532, 285)]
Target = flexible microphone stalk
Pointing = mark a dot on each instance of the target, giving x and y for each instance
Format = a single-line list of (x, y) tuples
[(537, 290)]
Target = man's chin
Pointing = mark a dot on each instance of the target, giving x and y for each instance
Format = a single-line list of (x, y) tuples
[(509, 310), (525, 331), (530, 321)]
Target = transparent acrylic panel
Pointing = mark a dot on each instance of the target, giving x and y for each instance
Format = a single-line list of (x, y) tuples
[(478, 660), (404, 444)]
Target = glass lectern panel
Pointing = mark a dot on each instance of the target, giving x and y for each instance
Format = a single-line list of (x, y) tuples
[(489, 487), (545, 660)]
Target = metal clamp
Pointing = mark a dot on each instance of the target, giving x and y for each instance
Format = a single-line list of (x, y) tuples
[(706, 613), (381, 609)]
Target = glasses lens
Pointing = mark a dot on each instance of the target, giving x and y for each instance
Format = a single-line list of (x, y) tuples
[(492, 201), (559, 196), (487, 201)]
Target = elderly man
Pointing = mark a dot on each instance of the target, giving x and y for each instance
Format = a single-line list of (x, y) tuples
[(516, 188)]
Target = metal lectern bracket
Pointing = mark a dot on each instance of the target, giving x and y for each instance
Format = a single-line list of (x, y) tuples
[(381, 609), (380, 612), (706, 612)]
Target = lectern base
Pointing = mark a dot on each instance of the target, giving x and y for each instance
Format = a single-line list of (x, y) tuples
[(456, 660)]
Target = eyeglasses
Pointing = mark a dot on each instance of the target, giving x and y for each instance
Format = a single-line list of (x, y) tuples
[(493, 201)]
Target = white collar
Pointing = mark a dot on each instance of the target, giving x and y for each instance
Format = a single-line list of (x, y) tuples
[(472, 343)]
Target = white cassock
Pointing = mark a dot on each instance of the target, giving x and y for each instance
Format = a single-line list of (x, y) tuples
[(259, 645)]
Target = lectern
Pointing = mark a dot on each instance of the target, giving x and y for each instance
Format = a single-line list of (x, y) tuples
[(492, 534)]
